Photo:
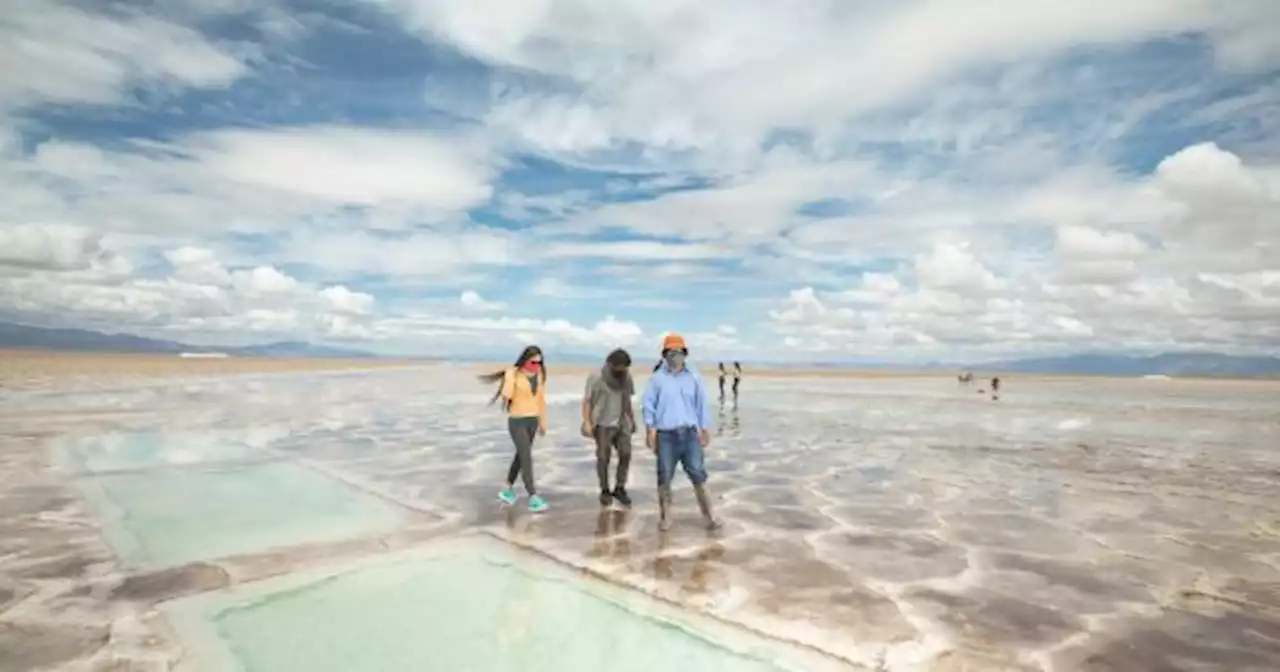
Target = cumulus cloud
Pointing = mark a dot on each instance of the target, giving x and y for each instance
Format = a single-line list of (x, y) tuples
[(1103, 287), (471, 300), (751, 171), (199, 294), (48, 246)]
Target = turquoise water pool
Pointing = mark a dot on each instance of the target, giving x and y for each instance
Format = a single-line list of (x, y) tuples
[(168, 517), (472, 604), (141, 450)]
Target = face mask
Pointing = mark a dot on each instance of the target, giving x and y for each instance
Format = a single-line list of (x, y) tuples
[(675, 359), (532, 367)]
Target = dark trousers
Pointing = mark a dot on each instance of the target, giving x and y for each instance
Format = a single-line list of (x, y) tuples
[(608, 440), (523, 431)]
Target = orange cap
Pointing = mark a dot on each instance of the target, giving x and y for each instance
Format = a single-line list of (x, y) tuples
[(673, 342)]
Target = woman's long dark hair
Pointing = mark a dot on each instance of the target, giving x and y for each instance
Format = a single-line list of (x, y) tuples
[(525, 355)]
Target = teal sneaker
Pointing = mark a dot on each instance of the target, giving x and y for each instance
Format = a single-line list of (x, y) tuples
[(537, 504), (508, 496)]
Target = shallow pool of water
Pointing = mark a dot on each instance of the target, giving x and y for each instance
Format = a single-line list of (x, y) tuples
[(168, 517), (470, 604)]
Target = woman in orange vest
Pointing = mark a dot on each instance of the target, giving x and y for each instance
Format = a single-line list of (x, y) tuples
[(524, 394)]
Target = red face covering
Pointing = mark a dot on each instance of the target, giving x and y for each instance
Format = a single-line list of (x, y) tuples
[(532, 367)]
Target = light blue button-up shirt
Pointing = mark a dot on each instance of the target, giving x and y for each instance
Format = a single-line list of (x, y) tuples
[(674, 400)]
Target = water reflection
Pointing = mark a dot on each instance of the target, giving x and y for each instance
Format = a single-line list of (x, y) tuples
[(927, 476), (702, 572), (611, 541), (734, 420)]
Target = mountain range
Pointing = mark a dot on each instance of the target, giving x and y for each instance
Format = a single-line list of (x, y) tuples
[(1169, 364), (24, 336)]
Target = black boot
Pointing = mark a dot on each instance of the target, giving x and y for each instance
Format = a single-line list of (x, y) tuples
[(620, 494)]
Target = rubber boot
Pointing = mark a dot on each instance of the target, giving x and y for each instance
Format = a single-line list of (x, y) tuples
[(664, 509), (704, 505)]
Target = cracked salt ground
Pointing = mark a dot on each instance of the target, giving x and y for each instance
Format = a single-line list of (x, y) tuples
[(897, 524)]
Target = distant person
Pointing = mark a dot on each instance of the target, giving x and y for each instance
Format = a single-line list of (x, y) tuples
[(722, 376), (609, 417), (524, 397), (678, 426), (995, 388), (737, 379)]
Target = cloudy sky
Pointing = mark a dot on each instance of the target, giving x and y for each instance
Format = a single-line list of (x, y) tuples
[(818, 179)]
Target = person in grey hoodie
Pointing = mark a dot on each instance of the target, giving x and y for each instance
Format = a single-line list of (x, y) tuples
[(608, 417)]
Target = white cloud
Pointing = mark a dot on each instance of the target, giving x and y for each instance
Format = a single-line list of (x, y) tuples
[(299, 179), (349, 166), (721, 76), (48, 246), (1084, 241), (875, 288), (69, 55), (471, 300), (199, 297), (346, 302), (975, 196), (951, 266), (635, 250), (1103, 287), (418, 254), (197, 266), (453, 334), (1204, 171)]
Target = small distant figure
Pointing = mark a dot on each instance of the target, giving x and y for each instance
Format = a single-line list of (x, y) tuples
[(737, 379), (965, 378), (995, 388), (723, 373)]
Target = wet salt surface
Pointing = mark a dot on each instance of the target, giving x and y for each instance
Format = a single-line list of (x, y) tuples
[(898, 524)]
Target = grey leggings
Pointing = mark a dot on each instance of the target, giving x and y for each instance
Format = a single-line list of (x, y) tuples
[(523, 431)]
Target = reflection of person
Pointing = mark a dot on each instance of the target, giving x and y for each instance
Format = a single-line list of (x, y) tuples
[(524, 394), (608, 417), (737, 378), (611, 540), (678, 422)]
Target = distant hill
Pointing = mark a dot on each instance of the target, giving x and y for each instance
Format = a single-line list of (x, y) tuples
[(1169, 364), (1206, 364), (24, 336)]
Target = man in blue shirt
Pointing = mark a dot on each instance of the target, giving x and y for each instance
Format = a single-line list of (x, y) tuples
[(678, 422)]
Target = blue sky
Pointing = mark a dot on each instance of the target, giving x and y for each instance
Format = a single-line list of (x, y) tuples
[(926, 180)]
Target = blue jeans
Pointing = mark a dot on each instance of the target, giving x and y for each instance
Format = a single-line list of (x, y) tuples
[(680, 445)]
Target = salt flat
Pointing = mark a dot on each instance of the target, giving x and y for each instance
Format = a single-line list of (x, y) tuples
[(881, 523)]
